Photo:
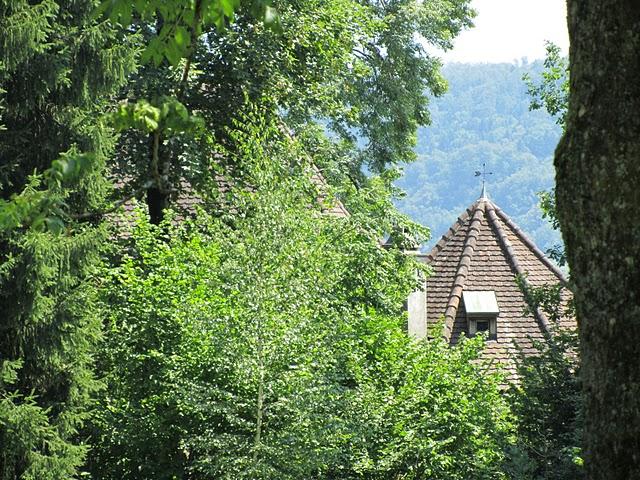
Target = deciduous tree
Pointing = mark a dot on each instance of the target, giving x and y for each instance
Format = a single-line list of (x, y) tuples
[(359, 68), (277, 349)]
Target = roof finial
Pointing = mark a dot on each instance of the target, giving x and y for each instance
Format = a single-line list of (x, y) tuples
[(484, 173), (483, 194)]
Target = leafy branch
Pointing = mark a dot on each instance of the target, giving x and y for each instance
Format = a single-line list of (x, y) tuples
[(181, 23)]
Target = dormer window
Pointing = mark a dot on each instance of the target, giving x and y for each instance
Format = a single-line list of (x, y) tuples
[(482, 312)]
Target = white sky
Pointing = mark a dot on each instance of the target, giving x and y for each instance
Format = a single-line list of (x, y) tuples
[(508, 30)]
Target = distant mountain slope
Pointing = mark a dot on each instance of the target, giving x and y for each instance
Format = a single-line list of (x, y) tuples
[(484, 117)]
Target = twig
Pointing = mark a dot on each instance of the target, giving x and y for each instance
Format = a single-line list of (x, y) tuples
[(192, 47)]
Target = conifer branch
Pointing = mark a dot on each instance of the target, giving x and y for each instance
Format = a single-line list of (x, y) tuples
[(116, 205)]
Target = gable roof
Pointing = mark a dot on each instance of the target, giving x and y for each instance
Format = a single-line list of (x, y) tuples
[(485, 250)]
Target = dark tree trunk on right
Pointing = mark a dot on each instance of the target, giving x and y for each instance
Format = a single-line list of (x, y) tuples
[(598, 202)]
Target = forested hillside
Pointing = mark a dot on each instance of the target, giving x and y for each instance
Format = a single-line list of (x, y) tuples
[(484, 117)]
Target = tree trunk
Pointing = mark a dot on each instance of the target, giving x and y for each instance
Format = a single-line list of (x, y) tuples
[(157, 197), (598, 203)]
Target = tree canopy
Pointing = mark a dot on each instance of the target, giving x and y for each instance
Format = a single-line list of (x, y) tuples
[(249, 334), (221, 346), (58, 69), (274, 349)]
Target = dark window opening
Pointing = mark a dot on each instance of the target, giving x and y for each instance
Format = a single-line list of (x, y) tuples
[(482, 326)]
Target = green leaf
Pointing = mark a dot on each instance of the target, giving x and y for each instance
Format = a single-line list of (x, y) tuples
[(172, 52), (182, 111), (141, 6), (272, 19), (102, 9), (228, 7), (126, 14), (55, 225), (182, 38)]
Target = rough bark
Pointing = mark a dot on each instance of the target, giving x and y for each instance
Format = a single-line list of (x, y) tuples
[(598, 201), (157, 201), (157, 196)]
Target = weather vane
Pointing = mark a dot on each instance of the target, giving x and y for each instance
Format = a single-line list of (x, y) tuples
[(484, 174)]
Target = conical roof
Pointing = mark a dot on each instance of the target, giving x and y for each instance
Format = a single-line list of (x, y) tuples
[(486, 251)]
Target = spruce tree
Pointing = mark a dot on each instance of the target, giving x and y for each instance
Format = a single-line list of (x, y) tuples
[(58, 67)]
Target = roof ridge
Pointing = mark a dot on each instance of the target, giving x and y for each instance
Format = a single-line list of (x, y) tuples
[(463, 269), (511, 254), (529, 243), (323, 184), (450, 233)]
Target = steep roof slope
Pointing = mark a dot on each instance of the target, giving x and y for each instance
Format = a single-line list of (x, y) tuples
[(485, 251)]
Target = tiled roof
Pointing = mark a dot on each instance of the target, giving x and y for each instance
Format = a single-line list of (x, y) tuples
[(485, 250), (330, 206), (185, 200)]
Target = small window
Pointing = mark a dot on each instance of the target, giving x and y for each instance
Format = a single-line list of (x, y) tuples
[(483, 324), (482, 312)]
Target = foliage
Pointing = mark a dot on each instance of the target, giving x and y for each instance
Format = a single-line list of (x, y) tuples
[(429, 411), (548, 207), (40, 208), (275, 347), (552, 93), (357, 68), (547, 402), (28, 438), (249, 345), (49, 331), (49, 93), (179, 24), (57, 68)]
